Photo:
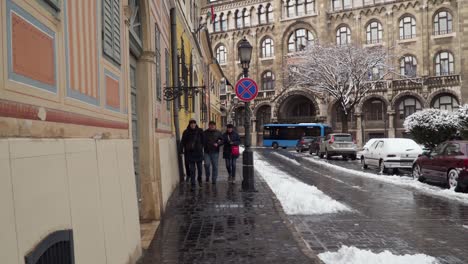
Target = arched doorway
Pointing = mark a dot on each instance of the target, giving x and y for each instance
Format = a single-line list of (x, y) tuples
[(336, 119), (297, 109), (404, 107), (374, 119)]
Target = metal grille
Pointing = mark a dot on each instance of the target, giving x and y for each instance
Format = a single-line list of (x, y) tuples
[(56, 248)]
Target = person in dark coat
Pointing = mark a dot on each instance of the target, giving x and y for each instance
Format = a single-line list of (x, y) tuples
[(192, 147), (212, 140), (230, 138)]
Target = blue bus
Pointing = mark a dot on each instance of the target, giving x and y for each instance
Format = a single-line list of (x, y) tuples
[(287, 135)]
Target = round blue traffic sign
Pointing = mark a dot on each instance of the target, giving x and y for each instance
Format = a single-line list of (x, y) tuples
[(246, 89)]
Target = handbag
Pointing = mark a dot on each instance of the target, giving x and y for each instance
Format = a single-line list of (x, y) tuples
[(235, 152)]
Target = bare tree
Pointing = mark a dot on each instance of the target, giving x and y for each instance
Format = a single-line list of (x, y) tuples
[(346, 73)]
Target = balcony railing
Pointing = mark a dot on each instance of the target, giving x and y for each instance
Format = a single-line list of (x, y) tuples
[(414, 83), (409, 36), (442, 81), (442, 32), (374, 41)]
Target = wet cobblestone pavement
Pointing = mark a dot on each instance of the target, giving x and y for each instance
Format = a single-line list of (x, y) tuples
[(384, 217), (220, 224)]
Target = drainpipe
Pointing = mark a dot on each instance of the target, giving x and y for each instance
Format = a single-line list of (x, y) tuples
[(176, 81)]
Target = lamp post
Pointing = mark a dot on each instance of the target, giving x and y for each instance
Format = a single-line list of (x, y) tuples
[(245, 55)]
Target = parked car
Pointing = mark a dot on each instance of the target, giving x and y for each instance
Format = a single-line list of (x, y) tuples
[(338, 144), (391, 153), (303, 143), (446, 164), (314, 146), (360, 153)]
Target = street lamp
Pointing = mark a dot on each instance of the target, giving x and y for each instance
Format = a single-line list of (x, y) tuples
[(245, 55)]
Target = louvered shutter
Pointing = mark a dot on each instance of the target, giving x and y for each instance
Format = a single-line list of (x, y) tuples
[(111, 29), (116, 29)]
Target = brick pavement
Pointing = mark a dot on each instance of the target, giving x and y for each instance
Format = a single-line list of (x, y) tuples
[(220, 224)]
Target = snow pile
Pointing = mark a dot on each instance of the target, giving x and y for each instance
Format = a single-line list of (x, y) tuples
[(296, 197), (431, 119), (462, 113), (399, 180), (286, 158), (353, 255)]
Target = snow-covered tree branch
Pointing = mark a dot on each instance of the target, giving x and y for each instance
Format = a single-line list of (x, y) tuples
[(346, 73)]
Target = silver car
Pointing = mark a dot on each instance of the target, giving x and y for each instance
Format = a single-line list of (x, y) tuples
[(338, 144)]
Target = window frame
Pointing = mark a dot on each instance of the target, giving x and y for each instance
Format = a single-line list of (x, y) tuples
[(411, 61), (448, 22), (267, 48), (439, 63), (374, 26), (339, 36), (268, 81), (402, 28), (218, 54)]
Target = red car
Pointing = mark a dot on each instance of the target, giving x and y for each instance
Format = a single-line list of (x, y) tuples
[(447, 164)]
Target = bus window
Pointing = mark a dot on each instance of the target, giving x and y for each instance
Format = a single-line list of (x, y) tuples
[(270, 133), (313, 131)]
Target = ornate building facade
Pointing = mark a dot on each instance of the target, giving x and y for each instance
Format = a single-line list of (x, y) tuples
[(427, 37)]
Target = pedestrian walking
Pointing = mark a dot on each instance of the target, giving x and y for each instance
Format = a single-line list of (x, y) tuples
[(212, 140), (231, 142), (192, 147)]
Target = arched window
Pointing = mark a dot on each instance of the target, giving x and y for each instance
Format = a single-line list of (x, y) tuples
[(246, 17), (374, 110), (408, 66), (444, 63), (221, 54), (445, 102), (269, 13), (442, 23), (238, 18), (374, 33), (268, 81), (407, 107), (299, 39), (407, 27), (223, 21), (376, 73), (216, 23), (343, 36), (262, 16), (267, 48)]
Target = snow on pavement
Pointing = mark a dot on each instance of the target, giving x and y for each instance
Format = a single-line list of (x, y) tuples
[(296, 197), (399, 180), (353, 255), (286, 158)]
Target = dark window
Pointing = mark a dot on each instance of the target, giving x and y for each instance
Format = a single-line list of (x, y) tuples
[(343, 36), (374, 33), (168, 77), (269, 14), (111, 29), (407, 27), (268, 81), (444, 63), (262, 18), (374, 110), (216, 24), (343, 138), (268, 49), (56, 248), (246, 17), (408, 107), (446, 102), (223, 22), (408, 66), (299, 39), (238, 18), (454, 149), (442, 23)]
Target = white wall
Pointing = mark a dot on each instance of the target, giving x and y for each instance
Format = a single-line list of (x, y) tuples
[(169, 167), (81, 184)]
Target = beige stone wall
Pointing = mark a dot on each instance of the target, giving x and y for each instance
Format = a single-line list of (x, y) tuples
[(81, 184), (169, 168)]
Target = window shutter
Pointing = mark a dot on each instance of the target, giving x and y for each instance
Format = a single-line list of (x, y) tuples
[(111, 29), (116, 30)]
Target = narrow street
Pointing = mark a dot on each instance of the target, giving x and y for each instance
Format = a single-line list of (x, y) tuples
[(384, 216)]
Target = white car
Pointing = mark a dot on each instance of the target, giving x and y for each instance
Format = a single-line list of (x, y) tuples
[(360, 153), (391, 153)]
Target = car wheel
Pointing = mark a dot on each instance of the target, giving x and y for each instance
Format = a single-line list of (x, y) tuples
[(275, 145), (297, 150), (328, 155), (321, 155), (345, 157), (417, 174), (317, 152), (353, 157), (452, 180), (363, 162), (382, 167)]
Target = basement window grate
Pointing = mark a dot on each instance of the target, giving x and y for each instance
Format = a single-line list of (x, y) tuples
[(56, 248)]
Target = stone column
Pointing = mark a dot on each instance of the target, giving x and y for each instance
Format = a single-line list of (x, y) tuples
[(391, 128), (359, 138)]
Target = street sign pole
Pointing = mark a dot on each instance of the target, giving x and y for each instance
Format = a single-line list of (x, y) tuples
[(247, 90)]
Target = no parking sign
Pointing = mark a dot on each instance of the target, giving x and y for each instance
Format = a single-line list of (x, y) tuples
[(246, 89)]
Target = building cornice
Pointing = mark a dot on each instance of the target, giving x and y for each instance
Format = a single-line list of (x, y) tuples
[(231, 5)]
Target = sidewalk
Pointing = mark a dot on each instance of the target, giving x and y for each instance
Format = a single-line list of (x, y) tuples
[(220, 224)]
